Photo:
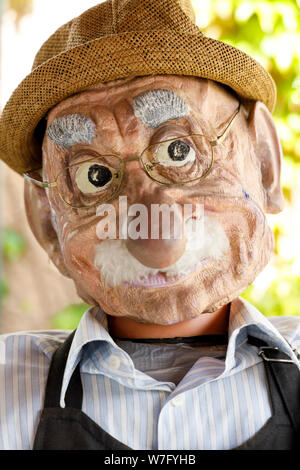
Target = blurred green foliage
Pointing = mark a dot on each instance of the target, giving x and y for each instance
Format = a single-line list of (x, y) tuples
[(4, 290), (69, 317), (12, 248), (13, 244), (281, 298)]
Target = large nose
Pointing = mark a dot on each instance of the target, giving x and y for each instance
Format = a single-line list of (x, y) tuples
[(156, 254), (161, 241)]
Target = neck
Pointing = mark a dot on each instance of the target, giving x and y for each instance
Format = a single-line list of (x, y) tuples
[(215, 323)]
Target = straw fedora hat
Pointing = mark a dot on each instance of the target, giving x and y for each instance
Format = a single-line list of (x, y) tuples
[(115, 40)]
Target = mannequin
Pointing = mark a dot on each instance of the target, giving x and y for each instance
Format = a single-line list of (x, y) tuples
[(133, 122)]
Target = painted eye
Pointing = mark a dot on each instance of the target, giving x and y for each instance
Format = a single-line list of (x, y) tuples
[(92, 177), (177, 153)]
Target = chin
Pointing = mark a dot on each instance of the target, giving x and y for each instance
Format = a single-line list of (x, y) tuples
[(185, 299), (202, 291)]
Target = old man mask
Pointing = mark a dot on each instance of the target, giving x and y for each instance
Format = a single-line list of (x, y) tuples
[(132, 145)]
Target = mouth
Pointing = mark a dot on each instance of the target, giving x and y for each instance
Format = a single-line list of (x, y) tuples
[(155, 281)]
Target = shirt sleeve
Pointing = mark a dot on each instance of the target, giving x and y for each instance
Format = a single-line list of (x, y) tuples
[(289, 328), (24, 364)]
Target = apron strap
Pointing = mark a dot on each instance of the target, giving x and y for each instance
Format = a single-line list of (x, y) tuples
[(55, 379), (284, 378)]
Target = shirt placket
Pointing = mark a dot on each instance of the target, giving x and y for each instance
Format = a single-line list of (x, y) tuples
[(174, 414)]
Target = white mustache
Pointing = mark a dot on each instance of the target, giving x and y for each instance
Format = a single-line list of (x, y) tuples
[(118, 266)]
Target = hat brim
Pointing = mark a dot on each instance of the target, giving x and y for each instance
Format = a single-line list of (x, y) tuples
[(115, 57)]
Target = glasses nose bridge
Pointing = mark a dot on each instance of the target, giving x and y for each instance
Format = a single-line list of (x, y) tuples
[(132, 159)]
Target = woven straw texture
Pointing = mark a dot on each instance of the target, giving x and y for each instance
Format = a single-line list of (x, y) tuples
[(115, 40)]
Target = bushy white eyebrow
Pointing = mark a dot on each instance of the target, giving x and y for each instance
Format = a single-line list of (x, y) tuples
[(158, 106), (71, 129)]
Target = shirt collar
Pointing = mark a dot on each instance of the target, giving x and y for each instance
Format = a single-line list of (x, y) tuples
[(244, 320), (93, 327)]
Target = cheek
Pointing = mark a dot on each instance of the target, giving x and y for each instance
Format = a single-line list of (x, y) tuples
[(78, 249), (236, 170), (251, 241)]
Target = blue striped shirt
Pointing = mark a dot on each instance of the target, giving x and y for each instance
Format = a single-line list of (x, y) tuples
[(218, 398)]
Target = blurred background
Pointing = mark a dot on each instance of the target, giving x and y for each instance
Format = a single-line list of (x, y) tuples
[(33, 295)]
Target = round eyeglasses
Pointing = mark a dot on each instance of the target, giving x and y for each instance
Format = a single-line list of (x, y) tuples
[(94, 179)]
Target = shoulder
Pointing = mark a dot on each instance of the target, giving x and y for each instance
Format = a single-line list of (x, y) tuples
[(24, 365), (289, 328), (22, 347)]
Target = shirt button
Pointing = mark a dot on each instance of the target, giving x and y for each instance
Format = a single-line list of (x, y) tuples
[(114, 362), (178, 400)]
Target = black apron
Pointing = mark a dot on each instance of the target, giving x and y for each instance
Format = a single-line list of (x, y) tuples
[(70, 429)]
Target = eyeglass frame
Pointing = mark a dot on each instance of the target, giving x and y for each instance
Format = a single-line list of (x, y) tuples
[(213, 143)]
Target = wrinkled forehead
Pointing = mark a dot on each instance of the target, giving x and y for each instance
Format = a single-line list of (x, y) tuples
[(186, 94)]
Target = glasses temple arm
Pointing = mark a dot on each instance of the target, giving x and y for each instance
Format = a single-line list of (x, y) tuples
[(222, 136), (41, 184)]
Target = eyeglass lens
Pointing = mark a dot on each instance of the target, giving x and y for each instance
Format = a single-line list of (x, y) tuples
[(179, 160), (90, 182)]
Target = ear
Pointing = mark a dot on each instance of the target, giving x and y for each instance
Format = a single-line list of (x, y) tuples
[(269, 154), (41, 223)]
